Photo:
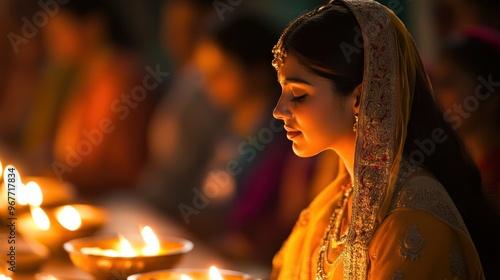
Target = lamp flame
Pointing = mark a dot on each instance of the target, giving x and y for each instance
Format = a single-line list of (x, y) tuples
[(22, 197), (33, 194), (41, 219), (183, 277), (152, 244), (126, 249), (3, 277), (69, 218), (214, 273), (18, 185)]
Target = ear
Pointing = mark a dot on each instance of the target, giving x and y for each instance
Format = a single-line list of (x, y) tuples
[(356, 98)]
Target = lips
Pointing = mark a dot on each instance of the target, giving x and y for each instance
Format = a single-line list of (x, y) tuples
[(291, 133)]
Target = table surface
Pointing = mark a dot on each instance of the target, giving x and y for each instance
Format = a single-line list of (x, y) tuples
[(125, 215)]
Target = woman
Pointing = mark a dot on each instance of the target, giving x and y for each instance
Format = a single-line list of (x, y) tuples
[(466, 87), (410, 204)]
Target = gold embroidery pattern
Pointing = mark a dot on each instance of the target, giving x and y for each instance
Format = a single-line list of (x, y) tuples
[(411, 244), (457, 266), (375, 141), (428, 198)]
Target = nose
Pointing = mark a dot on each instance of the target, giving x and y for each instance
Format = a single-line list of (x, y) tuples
[(281, 111)]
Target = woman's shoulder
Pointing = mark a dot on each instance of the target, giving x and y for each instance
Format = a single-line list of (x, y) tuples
[(412, 243), (421, 191), (427, 233)]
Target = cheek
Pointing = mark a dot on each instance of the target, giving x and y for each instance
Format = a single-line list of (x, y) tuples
[(326, 126), (335, 124)]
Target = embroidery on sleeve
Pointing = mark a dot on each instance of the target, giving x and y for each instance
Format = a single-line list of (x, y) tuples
[(457, 266), (430, 198), (411, 244)]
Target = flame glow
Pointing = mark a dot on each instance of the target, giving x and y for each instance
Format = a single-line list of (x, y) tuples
[(22, 198), (1, 170), (183, 277), (126, 249), (3, 277), (69, 218), (45, 277), (100, 252), (33, 194), (41, 219), (214, 273), (152, 243)]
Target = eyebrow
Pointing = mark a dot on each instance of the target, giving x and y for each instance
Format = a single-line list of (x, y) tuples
[(295, 80)]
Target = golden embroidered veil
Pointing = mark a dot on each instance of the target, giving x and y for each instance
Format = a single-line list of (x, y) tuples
[(390, 69)]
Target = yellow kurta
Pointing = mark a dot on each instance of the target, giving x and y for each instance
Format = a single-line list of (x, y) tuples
[(422, 237)]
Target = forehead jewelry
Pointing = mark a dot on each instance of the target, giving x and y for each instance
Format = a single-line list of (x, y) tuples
[(279, 54)]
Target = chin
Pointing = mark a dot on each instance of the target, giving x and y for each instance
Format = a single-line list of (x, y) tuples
[(304, 152)]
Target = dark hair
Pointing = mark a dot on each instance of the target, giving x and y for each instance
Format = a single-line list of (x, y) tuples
[(246, 38), (116, 23), (323, 55), (454, 168), (249, 40), (475, 55), (450, 163)]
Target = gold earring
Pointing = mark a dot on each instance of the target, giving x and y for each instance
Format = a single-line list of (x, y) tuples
[(355, 127)]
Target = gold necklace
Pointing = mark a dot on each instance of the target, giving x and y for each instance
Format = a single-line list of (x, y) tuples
[(333, 239)]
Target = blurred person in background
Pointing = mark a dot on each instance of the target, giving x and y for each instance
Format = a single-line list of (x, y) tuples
[(252, 201), (467, 86), (89, 123), (184, 125), (452, 15), (21, 59)]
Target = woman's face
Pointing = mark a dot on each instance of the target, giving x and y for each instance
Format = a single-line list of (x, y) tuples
[(316, 118)]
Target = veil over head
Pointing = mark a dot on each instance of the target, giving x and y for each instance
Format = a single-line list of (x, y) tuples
[(391, 65), (390, 70)]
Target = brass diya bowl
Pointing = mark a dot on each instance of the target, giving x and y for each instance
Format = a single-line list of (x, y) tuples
[(25, 256), (102, 266), (192, 273), (30, 257), (92, 219), (54, 191)]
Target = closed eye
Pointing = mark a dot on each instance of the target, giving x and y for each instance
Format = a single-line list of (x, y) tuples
[(298, 99)]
